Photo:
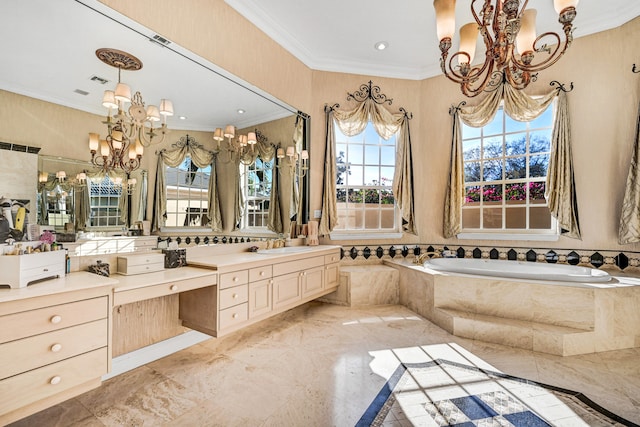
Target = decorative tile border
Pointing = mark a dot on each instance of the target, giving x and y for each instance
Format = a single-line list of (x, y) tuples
[(596, 259), (362, 254)]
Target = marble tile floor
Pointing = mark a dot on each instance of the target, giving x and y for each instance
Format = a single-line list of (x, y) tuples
[(320, 365)]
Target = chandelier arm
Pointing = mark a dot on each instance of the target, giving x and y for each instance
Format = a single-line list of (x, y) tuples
[(490, 75), (518, 82), (554, 56)]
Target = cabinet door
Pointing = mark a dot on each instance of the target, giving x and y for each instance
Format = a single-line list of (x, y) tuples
[(286, 289), (260, 297), (331, 275), (312, 281)]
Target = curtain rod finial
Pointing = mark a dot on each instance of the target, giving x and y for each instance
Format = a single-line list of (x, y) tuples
[(561, 86)]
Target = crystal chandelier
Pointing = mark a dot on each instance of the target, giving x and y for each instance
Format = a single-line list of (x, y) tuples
[(511, 45), (130, 129)]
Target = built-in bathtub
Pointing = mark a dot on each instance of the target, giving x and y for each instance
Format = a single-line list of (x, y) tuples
[(518, 269), (565, 310)]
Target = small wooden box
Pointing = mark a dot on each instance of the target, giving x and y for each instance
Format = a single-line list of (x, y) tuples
[(140, 263), (19, 271)]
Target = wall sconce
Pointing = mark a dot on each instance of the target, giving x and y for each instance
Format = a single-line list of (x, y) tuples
[(298, 163)]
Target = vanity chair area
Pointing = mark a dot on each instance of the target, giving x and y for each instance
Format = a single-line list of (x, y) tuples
[(63, 336)]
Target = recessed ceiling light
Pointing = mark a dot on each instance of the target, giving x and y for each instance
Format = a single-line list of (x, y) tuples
[(183, 117), (240, 111), (381, 45)]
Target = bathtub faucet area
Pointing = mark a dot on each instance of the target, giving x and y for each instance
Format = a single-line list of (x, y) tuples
[(420, 259)]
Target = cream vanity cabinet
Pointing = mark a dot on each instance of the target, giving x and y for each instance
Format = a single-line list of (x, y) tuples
[(253, 287), (53, 346)]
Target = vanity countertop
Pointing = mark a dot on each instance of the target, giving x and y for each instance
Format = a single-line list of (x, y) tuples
[(168, 275), (77, 281), (241, 260)]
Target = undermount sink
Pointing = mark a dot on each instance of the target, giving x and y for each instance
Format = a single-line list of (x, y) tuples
[(284, 250)]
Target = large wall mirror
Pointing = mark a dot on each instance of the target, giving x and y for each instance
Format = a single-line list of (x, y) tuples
[(52, 50)]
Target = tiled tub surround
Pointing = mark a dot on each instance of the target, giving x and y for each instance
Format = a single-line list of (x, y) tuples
[(550, 317)]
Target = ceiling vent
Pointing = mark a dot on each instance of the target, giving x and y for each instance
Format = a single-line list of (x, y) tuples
[(159, 39), (100, 80), (81, 92)]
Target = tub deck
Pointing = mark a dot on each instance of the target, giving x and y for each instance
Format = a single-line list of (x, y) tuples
[(547, 316)]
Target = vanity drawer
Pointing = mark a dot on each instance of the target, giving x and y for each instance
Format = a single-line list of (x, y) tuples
[(34, 322), (233, 296), (234, 278), (297, 265), (330, 259), (162, 289), (234, 315), (260, 273), (21, 390), (30, 353)]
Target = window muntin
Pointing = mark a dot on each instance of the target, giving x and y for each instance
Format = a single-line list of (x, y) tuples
[(104, 197), (187, 195), (256, 186), (365, 166), (505, 168)]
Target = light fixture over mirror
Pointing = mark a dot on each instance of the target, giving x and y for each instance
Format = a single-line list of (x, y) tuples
[(512, 49), (129, 127)]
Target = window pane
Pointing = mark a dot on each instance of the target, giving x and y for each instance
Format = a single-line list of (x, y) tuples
[(492, 148), (516, 144), (516, 193), (372, 175), (472, 172), (356, 195), (536, 192), (355, 153), (511, 125), (386, 197), (470, 132), (388, 156), (472, 194), (495, 127), (515, 167), (492, 193), (371, 135), (386, 176), (492, 218), (372, 155), (342, 195), (355, 176), (540, 218), (545, 120), (492, 170), (372, 196), (540, 141), (538, 166), (387, 219), (471, 150), (516, 218), (372, 218), (471, 218)]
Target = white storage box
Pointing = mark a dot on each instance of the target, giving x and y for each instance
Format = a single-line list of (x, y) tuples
[(140, 263), (19, 271)]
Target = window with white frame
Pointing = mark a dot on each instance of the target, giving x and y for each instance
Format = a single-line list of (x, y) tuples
[(187, 195), (365, 166), (104, 197), (505, 168), (256, 181)]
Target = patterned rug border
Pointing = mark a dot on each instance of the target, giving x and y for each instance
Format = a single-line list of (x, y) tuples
[(383, 401)]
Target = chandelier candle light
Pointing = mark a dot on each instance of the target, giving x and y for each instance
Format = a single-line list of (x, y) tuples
[(128, 130), (509, 35)]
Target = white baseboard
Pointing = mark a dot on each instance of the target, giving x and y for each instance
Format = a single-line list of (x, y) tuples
[(144, 355)]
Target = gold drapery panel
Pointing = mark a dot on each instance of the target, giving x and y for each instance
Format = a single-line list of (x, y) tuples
[(295, 207), (629, 229), (274, 219), (560, 186), (202, 158), (386, 124)]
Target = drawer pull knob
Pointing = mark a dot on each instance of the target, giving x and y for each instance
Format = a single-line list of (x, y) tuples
[(262, 273), (235, 315), (235, 279), (55, 380), (174, 287), (234, 296), (56, 319), (56, 347)]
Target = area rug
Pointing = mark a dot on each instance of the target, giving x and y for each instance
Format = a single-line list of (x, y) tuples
[(444, 393)]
